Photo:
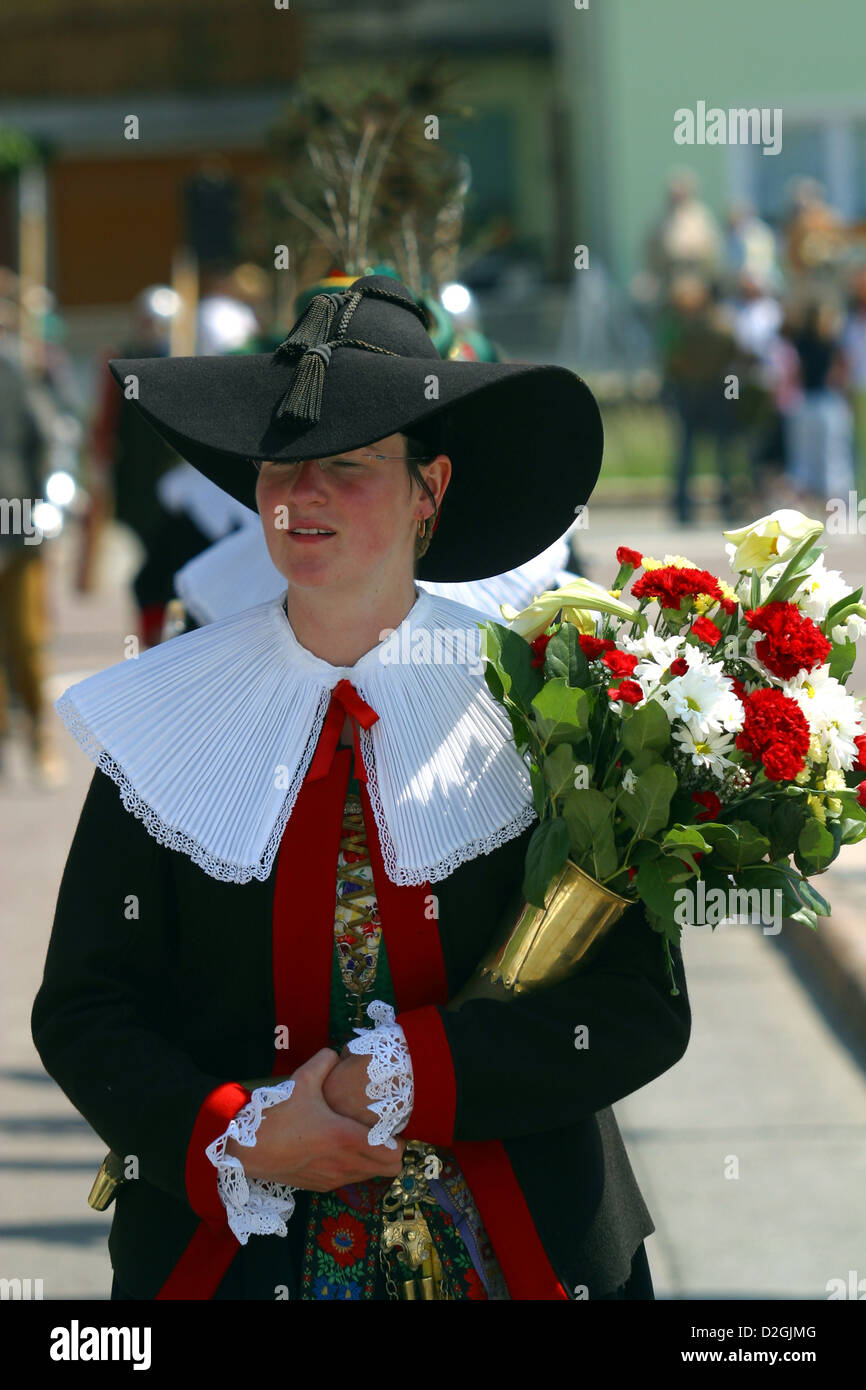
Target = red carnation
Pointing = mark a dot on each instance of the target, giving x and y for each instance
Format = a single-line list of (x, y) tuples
[(711, 802), (780, 764), (592, 647), (706, 630), (629, 691), (679, 666), (539, 647), (620, 663), (791, 643), (728, 605), (669, 585), (861, 794), (860, 743), (775, 733), (739, 689), (624, 556)]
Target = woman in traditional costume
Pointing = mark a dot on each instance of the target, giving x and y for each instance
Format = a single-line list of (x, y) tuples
[(307, 821)]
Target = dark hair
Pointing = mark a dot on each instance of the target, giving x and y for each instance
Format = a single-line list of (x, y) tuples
[(425, 441)]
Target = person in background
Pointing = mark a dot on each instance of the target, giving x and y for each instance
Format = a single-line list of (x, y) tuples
[(854, 347), (699, 352), (750, 247), (820, 426), (23, 625), (756, 317)]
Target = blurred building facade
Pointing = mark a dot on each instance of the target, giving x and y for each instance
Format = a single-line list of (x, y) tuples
[(625, 68)]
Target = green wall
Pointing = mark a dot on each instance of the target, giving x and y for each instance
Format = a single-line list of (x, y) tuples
[(626, 65)]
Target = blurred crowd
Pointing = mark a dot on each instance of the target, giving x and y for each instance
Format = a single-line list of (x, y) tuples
[(761, 339)]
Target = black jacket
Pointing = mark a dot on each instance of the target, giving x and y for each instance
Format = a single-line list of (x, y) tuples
[(159, 988)]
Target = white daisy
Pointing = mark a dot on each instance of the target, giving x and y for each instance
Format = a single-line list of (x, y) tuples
[(835, 718), (704, 699), (820, 590), (707, 750), (654, 653)]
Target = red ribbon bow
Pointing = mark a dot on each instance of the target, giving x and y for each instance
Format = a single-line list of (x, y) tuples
[(345, 700)]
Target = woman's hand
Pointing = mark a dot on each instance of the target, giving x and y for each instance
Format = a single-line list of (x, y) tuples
[(304, 1143), (345, 1089)]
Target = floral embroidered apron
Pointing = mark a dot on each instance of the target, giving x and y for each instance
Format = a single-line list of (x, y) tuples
[(342, 1238)]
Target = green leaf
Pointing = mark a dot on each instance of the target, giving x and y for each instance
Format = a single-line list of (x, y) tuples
[(494, 684), (839, 607), (641, 761), (559, 769), (718, 833), (585, 811), (788, 818), (842, 659), (564, 659), (545, 856), (813, 899), (758, 811), (560, 712), (519, 727), (667, 927), (770, 879), (647, 808), (511, 656), (648, 728), (645, 850), (807, 916), (852, 822), (601, 860), (685, 835), (802, 557), (539, 790), (816, 848), (685, 841), (657, 883), (749, 846)]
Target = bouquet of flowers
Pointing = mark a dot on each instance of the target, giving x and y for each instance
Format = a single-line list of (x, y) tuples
[(697, 736)]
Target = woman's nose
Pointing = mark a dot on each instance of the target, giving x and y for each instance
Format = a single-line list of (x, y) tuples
[(309, 477)]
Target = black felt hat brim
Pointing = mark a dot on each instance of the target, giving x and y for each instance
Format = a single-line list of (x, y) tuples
[(526, 449)]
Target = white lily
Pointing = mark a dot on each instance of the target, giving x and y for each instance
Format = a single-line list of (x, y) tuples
[(767, 541), (578, 600)]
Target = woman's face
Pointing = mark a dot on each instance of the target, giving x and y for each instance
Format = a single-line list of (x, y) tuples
[(366, 505)]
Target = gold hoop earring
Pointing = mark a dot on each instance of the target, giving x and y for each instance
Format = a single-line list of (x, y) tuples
[(422, 525)]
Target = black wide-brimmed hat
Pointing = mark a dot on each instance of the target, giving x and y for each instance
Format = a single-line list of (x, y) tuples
[(525, 440)]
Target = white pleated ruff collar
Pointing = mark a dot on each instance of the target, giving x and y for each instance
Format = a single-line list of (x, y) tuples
[(209, 737)]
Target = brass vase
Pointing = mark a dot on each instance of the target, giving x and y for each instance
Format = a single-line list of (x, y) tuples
[(536, 947)]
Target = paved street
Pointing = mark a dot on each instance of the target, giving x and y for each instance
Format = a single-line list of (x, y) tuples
[(751, 1153)]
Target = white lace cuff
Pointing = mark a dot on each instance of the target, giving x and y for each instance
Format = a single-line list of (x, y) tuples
[(390, 1071), (253, 1206)]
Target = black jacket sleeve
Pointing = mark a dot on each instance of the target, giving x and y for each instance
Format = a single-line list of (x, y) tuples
[(98, 1018), (501, 1069)]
